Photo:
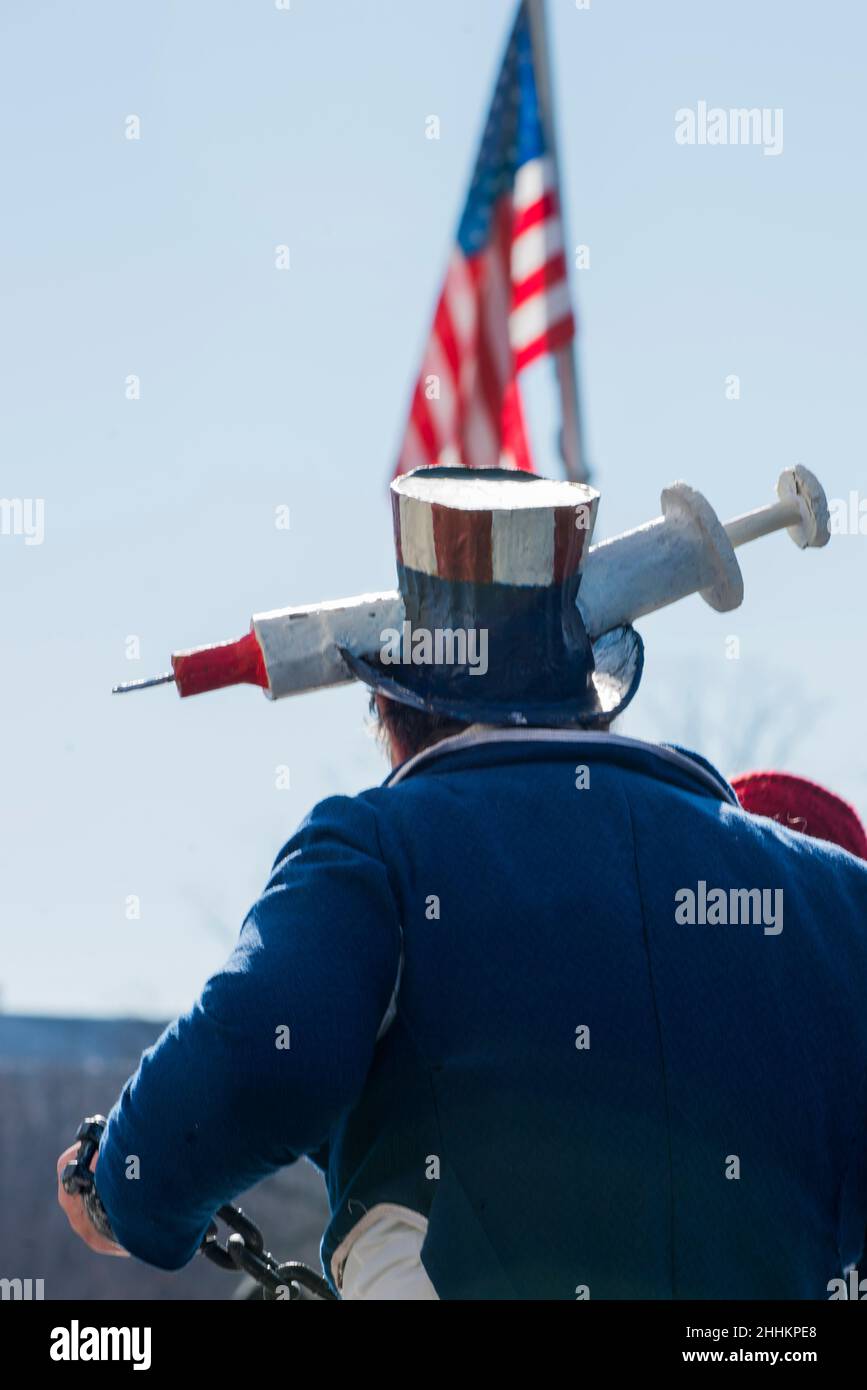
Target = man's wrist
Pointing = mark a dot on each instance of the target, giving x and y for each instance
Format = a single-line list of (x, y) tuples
[(97, 1214)]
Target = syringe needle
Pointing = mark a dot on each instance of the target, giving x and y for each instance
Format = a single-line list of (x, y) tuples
[(143, 684)]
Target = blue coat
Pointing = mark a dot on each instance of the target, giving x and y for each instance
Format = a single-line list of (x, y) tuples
[(603, 1070)]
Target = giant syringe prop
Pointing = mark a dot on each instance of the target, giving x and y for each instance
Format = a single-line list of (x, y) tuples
[(684, 551)]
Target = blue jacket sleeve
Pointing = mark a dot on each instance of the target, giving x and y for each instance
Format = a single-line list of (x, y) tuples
[(276, 1049)]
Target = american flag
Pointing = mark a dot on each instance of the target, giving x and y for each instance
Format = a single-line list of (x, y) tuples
[(506, 299)]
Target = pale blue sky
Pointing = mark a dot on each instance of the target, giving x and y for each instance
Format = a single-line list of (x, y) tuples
[(260, 387)]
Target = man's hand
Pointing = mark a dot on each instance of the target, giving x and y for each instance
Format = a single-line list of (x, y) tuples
[(76, 1213)]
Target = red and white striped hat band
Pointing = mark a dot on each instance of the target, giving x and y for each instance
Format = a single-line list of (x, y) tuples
[(492, 526)]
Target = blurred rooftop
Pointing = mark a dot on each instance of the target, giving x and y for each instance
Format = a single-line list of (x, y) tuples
[(53, 1072)]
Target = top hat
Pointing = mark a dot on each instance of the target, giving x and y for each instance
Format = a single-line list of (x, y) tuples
[(489, 564)]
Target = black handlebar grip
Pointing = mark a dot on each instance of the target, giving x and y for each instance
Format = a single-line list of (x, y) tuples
[(77, 1178)]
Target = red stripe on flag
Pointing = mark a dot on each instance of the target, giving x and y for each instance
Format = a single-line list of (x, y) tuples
[(537, 212), (547, 275), (489, 383), (513, 429), (558, 336)]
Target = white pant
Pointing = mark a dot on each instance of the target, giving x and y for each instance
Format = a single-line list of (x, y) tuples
[(381, 1257)]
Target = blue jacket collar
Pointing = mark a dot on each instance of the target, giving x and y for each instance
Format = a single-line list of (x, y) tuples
[(657, 758)]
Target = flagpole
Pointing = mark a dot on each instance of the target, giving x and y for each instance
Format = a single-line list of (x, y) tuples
[(566, 358)]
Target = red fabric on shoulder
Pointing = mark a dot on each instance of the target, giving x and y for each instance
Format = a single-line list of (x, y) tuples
[(802, 805)]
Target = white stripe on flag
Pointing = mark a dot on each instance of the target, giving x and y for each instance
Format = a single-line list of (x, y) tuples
[(538, 315), (532, 181), (535, 248)]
